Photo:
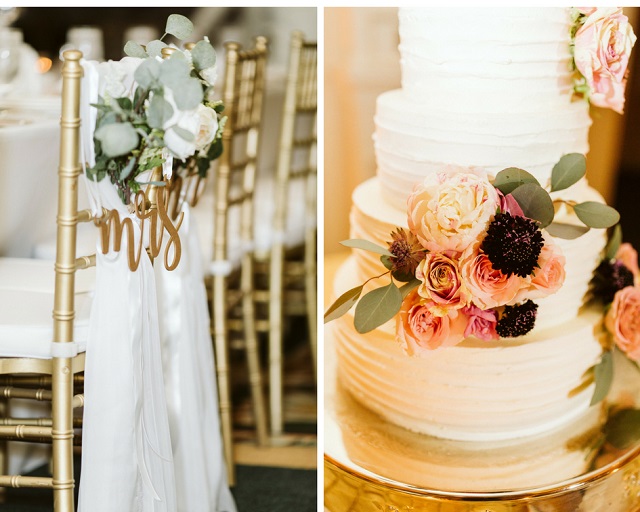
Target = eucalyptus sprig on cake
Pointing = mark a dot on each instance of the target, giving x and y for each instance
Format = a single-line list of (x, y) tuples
[(155, 111), (478, 252)]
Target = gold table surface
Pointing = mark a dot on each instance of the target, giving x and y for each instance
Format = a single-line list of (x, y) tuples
[(372, 465)]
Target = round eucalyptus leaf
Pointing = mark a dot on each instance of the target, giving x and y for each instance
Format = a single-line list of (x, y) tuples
[(511, 178), (189, 95), (603, 373), (185, 135), (147, 73), (343, 304), (377, 307), (160, 111), (179, 26), (133, 49), (154, 48), (535, 203), (174, 72), (203, 55), (117, 139), (615, 240), (566, 231), (569, 170), (596, 215)]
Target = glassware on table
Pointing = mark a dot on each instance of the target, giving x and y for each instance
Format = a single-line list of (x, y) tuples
[(10, 47), (87, 39)]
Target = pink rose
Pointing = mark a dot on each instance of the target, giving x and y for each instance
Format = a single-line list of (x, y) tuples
[(602, 48), (419, 331), (509, 204), (441, 283), (628, 256), (623, 321), (489, 287), (481, 323), (549, 277), (450, 209)]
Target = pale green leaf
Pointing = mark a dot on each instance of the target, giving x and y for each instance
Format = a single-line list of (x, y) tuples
[(203, 55), (174, 72), (147, 73), (117, 139), (569, 170), (603, 374), (566, 231), (406, 288), (160, 111), (357, 243), (185, 135), (511, 178), (179, 26), (377, 307), (126, 170), (133, 49), (189, 95), (622, 429), (154, 48), (614, 242), (343, 304), (535, 203), (596, 215)]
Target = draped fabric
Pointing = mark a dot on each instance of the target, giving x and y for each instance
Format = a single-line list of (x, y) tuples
[(190, 382), (127, 463)]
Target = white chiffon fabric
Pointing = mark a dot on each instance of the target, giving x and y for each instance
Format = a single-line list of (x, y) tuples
[(190, 382)]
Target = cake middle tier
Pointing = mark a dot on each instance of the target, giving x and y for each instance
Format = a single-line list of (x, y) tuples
[(413, 140), (373, 219)]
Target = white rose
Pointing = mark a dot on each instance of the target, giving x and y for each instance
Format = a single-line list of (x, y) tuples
[(208, 126), (116, 77), (188, 120), (210, 74)]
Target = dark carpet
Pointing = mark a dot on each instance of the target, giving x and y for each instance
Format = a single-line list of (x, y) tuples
[(258, 489)]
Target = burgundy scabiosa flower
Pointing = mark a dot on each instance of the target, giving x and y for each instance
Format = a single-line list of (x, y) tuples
[(517, 320)]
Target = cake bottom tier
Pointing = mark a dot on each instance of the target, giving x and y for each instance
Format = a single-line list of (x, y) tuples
[(474, 391)]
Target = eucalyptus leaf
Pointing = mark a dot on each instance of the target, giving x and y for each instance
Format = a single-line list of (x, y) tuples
[(147, 73), (596, 215), (343, 304), (622, 429), (511, 178), (603, 374), (133, 49), (203, 55), (215, 150), (174, 72), (535, 203), (189, 95), (117, 139), (566, 231), (179, 26), (377, 307), (403, 277), (160, 111), (615, 240), (406, 288), (386, 261), (185, 135), (126, 170), (154, 48), (569, 170), (357, 243)]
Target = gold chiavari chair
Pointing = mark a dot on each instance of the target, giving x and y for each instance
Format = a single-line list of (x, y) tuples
[(288, 271), (230, 283), (32, 364)]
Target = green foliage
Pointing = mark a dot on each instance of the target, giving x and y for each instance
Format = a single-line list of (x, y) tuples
[(377, 307), (179, 26), (511, 178), (535, 203), (569, 170), (343, 304), (366, 245), (203, 55), (603, 375), (566, 231), (596, 215), (615, 240)]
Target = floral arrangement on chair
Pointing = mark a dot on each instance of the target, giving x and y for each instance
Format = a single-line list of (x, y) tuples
[(477, 253), (155, 110)]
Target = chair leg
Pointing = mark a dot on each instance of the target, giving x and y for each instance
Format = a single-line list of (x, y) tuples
[(62, 435), (275, 339), (5, 412), (253, 356), (310, 295), (219, 319)]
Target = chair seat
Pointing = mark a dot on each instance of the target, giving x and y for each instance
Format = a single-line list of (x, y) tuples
[(26, 305)]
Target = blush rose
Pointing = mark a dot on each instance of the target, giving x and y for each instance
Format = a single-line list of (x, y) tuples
[(623, 321), (481, 323), (441, 283)]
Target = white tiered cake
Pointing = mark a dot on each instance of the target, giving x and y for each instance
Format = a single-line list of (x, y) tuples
[(491, 89)]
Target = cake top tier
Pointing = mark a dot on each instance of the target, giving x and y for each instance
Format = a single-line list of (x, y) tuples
[(487, 59)]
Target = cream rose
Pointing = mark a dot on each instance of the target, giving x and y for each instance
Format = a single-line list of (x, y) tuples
[(116, 77), (489, 287), (441, 284), (208, 127), (623, 321), (602, 47), (419, 331), (188, 120), (449, 209)]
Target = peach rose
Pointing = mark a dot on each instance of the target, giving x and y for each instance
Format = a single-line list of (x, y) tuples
[(450, 209), (601, 53), (441, 283), (628, 256), (623, 321), (481, 323), (419, 331), (489, 287), (549, 278)]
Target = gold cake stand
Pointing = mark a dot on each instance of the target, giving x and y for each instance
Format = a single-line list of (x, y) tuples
[(371, 465)]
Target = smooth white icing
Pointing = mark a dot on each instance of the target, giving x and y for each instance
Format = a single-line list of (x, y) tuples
[(477, 390)]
